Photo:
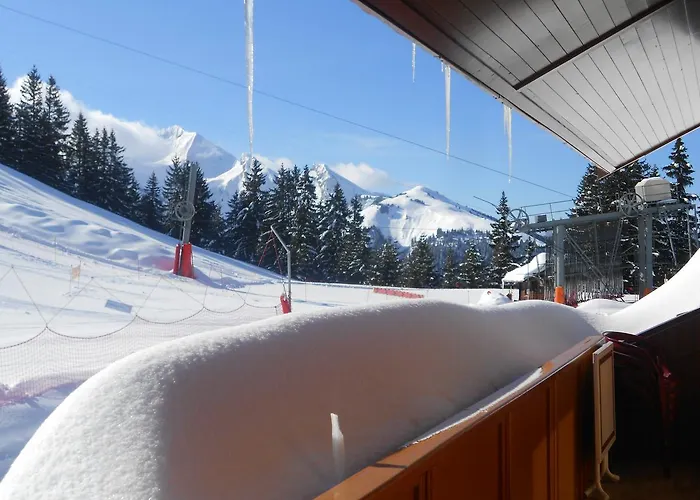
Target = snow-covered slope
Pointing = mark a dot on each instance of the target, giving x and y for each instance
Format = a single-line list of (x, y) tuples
[(675, 297), (421, 211), (34, 212), (325, 179)]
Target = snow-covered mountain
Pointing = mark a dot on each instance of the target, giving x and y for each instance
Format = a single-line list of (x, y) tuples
[(163, 145), (421, 211), (404, 217), (224, 185)]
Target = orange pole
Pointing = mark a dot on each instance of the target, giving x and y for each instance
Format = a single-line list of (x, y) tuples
[(559, 295)]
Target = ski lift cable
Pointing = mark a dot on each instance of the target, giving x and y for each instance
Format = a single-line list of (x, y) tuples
[(273, 96)]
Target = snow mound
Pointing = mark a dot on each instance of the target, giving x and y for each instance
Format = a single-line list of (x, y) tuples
[(493, 299), (245, 411), (675, 297), (602, 306)]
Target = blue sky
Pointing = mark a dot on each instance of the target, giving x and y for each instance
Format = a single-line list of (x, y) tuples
[(326, 54)]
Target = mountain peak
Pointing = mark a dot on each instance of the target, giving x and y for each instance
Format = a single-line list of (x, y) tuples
[(173, 132)]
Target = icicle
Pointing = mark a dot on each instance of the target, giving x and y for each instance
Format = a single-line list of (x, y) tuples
[(507, 124), (447, 70), (338, 448), (442, 65), (413, 61), (248, 8)]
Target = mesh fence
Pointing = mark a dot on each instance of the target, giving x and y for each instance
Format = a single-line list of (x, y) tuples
[(44, 346)]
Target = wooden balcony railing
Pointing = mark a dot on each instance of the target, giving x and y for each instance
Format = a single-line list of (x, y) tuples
[(534, 442)]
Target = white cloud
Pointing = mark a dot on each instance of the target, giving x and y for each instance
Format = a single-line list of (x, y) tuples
[(143, 143), (147, 147), (366, 176)]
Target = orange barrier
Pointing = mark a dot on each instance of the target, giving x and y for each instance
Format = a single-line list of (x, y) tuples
[(286, 306), (398, 293), (559, 295), (186, 263)]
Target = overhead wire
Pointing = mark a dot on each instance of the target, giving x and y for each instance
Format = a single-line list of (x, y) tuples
[(273, 96)]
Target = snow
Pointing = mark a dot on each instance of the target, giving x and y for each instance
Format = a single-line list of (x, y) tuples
[(249, 57), (421, 211), (169, 421), (675, 297), (46, 233), (603, 307), (448, 104), (490, 298), (537, 265)]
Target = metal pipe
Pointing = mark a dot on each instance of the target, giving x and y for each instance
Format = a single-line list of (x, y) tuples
[(192, 186), (690, 244), (289, 266), (641, 257), (559, 231), (648, 231)]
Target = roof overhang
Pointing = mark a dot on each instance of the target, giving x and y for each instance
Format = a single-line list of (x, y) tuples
[(615, 79)]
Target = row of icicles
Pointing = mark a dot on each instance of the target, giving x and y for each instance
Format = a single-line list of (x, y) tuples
[(446, 69), (507, 111)]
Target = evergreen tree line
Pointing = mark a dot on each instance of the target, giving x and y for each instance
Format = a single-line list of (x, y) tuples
[(35, 139), (327, 237), (675, 232)]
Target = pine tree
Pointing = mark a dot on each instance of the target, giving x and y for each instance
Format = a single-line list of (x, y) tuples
[(230, 225), (386, 268), (125, 195), (681, 171), (472, 269), (55, 121), (82, 172), (151, 206), (333, 230), (450, 270), (7, 152), (588, 199), (104, 192), (530, 251), (279, 212), (30, 141), (355, 260), (207, 222), (503, 240), (305, 231), (419, 267), (244, 226), (174, 191)]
